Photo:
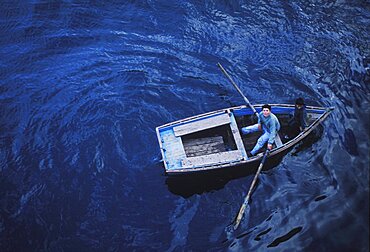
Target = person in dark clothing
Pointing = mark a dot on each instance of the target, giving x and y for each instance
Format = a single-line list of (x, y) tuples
[(298, 122)]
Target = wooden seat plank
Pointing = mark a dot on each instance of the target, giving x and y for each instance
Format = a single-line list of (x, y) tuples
[(203, 124), (216, 158)]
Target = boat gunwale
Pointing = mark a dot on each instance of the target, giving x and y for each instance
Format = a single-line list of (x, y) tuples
[(232, 108)]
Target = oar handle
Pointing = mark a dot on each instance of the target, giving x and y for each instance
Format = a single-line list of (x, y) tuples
[(242, 209), (236, 87)]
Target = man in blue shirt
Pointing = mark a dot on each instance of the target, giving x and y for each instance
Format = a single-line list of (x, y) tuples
[(269, 124)]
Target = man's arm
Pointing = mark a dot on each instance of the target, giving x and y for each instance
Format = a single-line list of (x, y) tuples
[(273, 132)]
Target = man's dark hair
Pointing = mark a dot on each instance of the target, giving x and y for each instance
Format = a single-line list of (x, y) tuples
[(299, 101), (266, 106)]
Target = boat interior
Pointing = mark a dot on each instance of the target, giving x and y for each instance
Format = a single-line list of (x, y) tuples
[(220, 138)]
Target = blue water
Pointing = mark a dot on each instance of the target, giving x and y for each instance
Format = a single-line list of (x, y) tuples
[(83, 86)]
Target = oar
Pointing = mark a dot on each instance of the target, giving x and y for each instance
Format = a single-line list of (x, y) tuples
[(242, 208), (237, 88)]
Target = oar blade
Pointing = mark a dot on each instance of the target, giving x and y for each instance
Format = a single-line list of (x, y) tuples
[(245, 204), (240, 216)]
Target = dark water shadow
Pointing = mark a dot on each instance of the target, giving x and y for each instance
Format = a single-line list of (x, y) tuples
[(285, 237), (187, 185)]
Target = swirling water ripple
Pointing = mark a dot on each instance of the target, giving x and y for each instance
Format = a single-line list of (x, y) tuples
[(83, 86)]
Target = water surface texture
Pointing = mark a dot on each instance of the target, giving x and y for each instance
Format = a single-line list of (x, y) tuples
[(83, 86)]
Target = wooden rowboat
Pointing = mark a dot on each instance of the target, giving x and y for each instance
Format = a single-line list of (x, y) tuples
[(213, 140)]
